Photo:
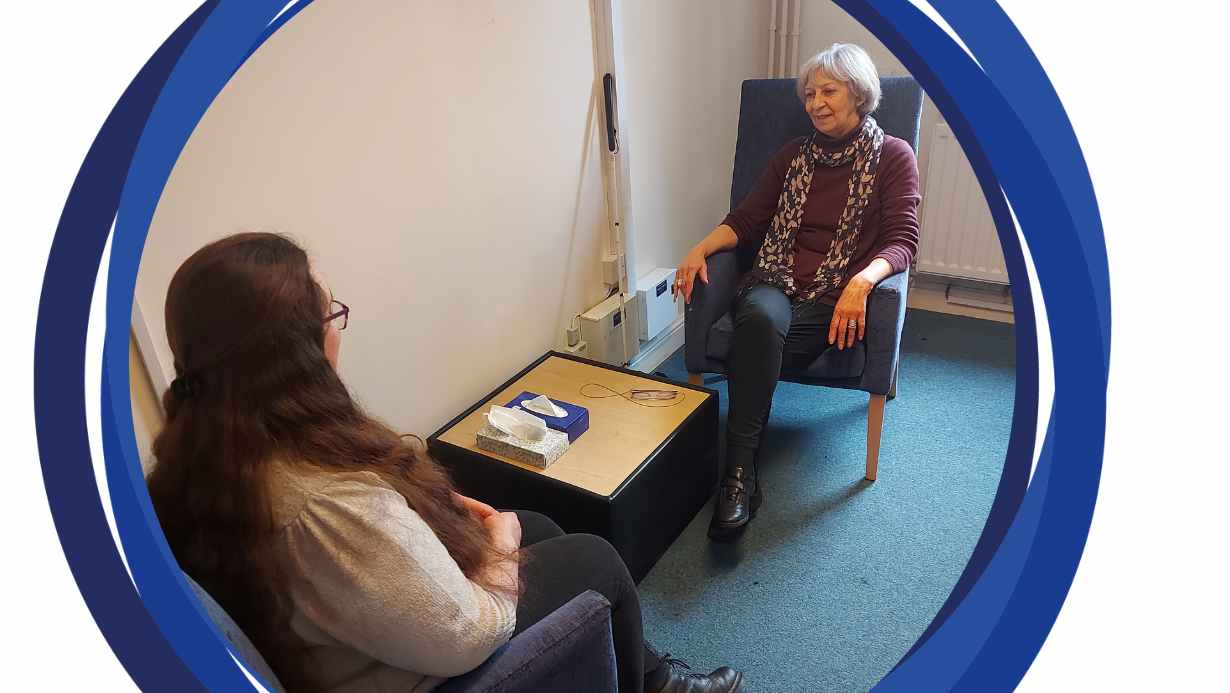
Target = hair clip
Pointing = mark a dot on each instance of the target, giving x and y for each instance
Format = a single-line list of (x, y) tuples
[(186, 386)]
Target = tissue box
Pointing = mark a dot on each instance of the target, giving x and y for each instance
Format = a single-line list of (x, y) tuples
[(574, 423), (540, 453)]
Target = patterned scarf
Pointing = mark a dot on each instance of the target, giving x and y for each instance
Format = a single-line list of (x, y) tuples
[(775, 261)]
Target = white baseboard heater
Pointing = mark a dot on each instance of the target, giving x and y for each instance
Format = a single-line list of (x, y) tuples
[(958, 236)]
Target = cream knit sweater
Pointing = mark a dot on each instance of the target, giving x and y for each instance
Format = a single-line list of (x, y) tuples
[(376, 596)]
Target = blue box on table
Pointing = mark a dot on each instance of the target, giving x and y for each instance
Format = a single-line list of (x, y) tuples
[(574, 422)]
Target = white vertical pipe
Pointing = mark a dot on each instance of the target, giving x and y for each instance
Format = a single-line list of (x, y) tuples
[(780, 60), (782, 38), (794, 38), (772, 37), (785, 32)]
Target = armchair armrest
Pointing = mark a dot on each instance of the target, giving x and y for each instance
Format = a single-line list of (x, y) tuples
[(709, 303), (885, 320), (569, 650)]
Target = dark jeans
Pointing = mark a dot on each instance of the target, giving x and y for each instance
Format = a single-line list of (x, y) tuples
[(770, 334), (556, 567)]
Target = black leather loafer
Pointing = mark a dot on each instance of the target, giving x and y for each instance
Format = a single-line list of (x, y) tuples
[(739, 496)]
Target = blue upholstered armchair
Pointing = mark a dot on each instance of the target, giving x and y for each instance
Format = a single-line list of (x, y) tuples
[(770, 115), (570, 650)]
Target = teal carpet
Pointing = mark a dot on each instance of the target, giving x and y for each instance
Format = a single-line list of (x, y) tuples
[(836, 577)]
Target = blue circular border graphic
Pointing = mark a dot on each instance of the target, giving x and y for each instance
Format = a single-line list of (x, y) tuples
[(1016, 135)]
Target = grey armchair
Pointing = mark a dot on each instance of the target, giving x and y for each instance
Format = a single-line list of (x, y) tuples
[(570, 650), (769, 115)]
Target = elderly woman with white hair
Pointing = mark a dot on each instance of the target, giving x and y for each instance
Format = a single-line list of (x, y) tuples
[(833, 214)]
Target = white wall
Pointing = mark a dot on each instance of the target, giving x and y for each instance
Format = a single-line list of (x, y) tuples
[(440, 161), (685, 61)]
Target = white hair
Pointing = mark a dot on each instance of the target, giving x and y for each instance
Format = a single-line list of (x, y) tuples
[(847, 63)]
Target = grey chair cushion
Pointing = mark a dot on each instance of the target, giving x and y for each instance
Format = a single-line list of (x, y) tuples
[(572, 649), (832, 364)]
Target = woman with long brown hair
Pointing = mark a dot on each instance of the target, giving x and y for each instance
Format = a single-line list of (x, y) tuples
[(339, 546)]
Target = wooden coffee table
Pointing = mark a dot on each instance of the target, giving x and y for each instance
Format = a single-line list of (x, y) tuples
[(636, 477)]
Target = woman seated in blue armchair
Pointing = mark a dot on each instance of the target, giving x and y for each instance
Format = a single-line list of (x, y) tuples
[(337, 545), (833, 214)]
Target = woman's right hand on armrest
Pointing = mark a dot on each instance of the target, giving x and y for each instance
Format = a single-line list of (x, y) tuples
[(693, 264), (690, 268)]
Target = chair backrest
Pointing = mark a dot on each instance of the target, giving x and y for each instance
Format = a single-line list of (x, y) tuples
[(770, 115), (252, 659)]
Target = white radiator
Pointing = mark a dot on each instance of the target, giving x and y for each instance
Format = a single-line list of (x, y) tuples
[(957, 233)]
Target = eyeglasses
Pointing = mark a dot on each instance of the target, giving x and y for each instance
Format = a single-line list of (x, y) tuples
[(340, 310)]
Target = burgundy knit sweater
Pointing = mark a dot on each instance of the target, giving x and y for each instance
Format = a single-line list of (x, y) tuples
[(890, 222)]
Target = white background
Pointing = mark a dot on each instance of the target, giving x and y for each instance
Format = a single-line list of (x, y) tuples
[(1144, 90)]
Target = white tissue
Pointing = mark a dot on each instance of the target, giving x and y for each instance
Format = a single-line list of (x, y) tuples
[(517, 423), (543, 405)]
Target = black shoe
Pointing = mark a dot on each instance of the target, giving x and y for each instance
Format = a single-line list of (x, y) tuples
[(739, 497), (674, 676)]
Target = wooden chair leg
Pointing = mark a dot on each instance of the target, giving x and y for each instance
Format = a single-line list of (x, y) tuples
[(696, 378), (875, 426)]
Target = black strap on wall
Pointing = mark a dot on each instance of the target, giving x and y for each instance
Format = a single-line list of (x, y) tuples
[(608, 87)]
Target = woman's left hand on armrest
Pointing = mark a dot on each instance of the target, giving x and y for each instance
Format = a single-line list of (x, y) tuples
[(852, 305)]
